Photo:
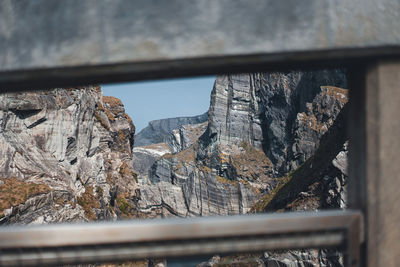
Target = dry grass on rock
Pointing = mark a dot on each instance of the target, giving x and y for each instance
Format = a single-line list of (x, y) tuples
[(14, 192)]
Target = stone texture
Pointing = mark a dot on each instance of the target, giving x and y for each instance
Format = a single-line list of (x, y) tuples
[(185, 136), (145, 156), (73, 140), (177, 140), (193, 193), (158, 131), (234, 114), (259, 126)]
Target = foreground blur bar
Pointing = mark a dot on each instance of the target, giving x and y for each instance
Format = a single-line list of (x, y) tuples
[(72, 42), (128, 240)]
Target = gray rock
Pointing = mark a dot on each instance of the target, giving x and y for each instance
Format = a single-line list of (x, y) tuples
[(341, 161), (158, 131), (184, 137), (285, 114), (260, 126), (144, 157), (234, 114), (282, 114), (200, 194), (72, 140)]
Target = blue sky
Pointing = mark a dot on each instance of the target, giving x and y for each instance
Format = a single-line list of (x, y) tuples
[(146, 101)]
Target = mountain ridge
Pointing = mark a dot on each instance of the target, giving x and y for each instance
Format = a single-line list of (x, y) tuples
[(158, 130)]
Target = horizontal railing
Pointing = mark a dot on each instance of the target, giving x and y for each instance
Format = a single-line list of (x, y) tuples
[(130, 240)]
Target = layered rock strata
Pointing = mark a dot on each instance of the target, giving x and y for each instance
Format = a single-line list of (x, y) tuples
[(260, 126), (70, 154), (317, 159), (75, 142)]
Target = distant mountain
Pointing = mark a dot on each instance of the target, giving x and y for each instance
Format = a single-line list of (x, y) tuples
[(159, 130)]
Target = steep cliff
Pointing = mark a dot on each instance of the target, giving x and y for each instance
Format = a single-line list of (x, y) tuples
[(73, 148), (319, 183), (271, 141), (285, 114), (303, 120), (260, 127)]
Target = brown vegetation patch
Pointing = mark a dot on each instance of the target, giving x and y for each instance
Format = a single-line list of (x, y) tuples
[(121, 135), (101, 109), (127, 208), (261, 204), (14, 192), (109, 115), (337, 93), (182, 158), (112, 101), (89, 201), (224, 180), (109, 179), (195, 131), (186, 156), (97, 115), (124, 206), (205, 169), (252, 164), (126, 171), (223, 157), (312, 122)]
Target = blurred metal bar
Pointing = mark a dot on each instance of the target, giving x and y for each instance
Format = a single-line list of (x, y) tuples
[(374, 177), (173, 229), (119, 241), (126, 252), (71, 42)]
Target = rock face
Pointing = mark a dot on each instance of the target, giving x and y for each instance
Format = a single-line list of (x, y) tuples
[(75, 142), (145, 156), (185, 136), (260, 126), (284, 113), (159, 130), (179, 139), (270, 141)]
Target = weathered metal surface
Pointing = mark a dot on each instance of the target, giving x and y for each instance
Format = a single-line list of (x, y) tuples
[(71, 32), (383, 163), (71, 37), (69, 243), (375, 165)]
